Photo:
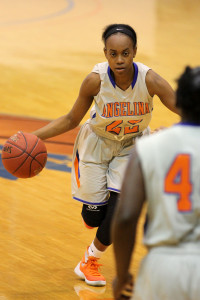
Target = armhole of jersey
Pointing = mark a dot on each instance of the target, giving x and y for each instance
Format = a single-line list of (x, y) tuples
[(93, 71), (146, 84), (143, 70)]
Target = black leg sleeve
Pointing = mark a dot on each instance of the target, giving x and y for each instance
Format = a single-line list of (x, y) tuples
[(103, 233)]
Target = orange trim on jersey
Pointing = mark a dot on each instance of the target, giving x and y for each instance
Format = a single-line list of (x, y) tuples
[(76, 166)]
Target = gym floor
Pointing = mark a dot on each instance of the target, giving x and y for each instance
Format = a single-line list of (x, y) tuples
[(47, 48)]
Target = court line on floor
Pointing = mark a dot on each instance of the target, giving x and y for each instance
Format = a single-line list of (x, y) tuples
[(65, 10)]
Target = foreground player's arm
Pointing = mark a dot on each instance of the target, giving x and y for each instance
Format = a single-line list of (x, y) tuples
[(125, 222), (157, 85), (89, 88)]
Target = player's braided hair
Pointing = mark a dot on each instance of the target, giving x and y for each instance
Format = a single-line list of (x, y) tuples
[(122, 28), (188, 93)]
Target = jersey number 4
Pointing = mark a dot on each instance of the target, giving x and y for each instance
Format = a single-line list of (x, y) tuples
[(177, 181)]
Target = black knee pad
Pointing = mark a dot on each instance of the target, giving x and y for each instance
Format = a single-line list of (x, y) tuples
[(93, 215)]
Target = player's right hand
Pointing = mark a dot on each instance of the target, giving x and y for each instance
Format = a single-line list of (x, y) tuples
[(125, 291)]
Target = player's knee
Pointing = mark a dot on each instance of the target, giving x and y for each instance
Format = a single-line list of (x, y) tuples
[(93, 215)]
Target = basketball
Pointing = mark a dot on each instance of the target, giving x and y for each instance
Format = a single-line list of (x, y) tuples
[(24, 155)]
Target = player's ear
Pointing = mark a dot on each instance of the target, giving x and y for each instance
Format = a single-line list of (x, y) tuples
[(134, 51)]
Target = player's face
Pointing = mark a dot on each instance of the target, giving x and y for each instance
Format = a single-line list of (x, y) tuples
[(119, 51)]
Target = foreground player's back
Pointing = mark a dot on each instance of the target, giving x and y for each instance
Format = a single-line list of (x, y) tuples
[(171, 166)]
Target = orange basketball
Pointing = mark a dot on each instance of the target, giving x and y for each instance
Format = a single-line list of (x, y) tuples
[(24, 155)]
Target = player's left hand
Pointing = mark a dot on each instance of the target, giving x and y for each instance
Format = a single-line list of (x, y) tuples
[(123, 291)]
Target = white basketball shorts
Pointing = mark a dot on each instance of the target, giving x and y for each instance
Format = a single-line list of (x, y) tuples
[(168, 275), (98, 166)]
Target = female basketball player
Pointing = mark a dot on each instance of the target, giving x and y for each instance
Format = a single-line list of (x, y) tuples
[(123, 92)]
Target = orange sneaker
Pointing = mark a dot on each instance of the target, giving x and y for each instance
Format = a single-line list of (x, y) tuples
[(87, 269)]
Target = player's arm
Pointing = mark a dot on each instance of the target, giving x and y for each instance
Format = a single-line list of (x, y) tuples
[(125, 222), (89, 88), (157, 85)]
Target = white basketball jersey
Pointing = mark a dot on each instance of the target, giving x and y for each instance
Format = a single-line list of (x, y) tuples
[(118, 114), (170, 162)]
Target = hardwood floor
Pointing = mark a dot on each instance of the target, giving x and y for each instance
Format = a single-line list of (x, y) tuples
[(46, 51)]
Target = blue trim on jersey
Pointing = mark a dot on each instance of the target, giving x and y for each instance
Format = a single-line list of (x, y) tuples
[(135, 75), (92, 203), (112, 189), (188, 124), (110, 76), (134, 78)]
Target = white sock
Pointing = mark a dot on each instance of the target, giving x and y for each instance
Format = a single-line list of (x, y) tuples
[(93, 251)]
